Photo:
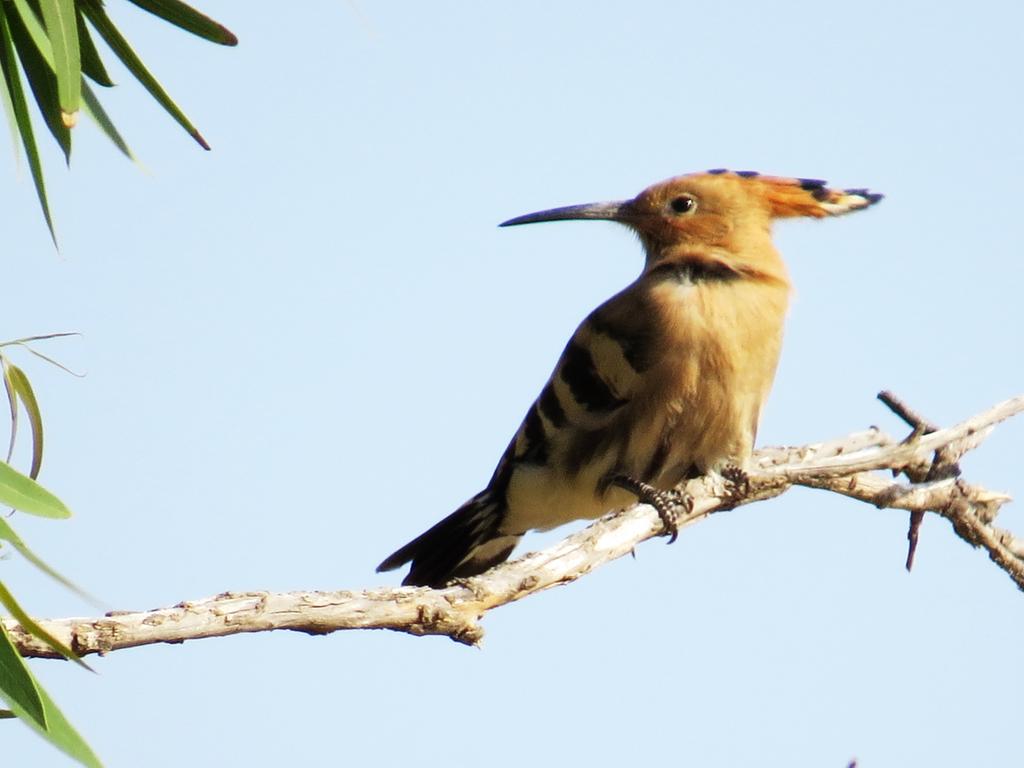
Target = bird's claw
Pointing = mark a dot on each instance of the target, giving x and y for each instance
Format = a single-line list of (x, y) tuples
[(737, 483), (665, 503)]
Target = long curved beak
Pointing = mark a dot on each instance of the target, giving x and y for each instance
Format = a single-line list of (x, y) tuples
[(615, 211)]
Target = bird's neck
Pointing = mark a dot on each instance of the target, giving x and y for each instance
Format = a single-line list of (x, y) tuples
[(704, 264)]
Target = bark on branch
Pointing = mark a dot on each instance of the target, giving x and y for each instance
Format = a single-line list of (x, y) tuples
[(851, 466)]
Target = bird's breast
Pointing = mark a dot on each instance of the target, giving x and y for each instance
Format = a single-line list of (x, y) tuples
[(655, 386), (722, 341)]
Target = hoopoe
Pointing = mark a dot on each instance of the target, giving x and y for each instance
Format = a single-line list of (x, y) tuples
[(664, 381)]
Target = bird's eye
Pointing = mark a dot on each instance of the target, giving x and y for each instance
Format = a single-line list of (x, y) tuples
[(683, 204)]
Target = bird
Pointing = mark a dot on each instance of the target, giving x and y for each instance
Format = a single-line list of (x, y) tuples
[(663, 382)]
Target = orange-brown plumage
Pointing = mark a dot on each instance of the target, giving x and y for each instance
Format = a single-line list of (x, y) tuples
[(663, 381)]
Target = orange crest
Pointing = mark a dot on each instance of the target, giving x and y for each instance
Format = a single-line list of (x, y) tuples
[(788, 197)]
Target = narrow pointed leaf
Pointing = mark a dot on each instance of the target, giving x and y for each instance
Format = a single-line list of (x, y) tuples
[(40, 337), (92, 64), (25, 344), (48, 359), (12, 401), (8, 62), (31, 626), (32, 16), (23, 388), (112, 36), (36, 57), (95, 110), (24, 493), (56, 730), (6, 714), (63, 735), (62, 29), (17, 686), (189, 19), (7, 534), (12, 121)]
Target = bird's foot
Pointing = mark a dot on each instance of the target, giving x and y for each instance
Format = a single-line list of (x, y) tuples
[(737, 484), (665, 503)]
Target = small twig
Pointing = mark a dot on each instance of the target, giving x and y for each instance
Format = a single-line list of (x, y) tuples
[(913, 533), (913, 418), (944, 463)]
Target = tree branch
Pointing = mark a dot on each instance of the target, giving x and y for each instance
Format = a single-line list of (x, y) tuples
[(848, 466)]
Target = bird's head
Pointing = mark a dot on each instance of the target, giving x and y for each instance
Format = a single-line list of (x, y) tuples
[(717, 215)]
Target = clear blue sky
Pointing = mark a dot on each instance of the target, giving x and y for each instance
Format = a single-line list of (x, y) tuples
[(307, 345)]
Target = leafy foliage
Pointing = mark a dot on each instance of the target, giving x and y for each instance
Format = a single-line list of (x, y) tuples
[(18, 687), (49, 43)]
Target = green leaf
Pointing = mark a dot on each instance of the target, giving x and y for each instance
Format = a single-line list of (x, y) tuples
[(95, 110), (101, 23), (62, 29), (12, 401), (36, 61), (6, 714), (9, 65), (7, 534), (40, 337), (24, 493), (23, 389), (24, 344), (92, 64), (56, 729), (188, 18), (5, 97), (17, 686), (30, 13), (32, 627)]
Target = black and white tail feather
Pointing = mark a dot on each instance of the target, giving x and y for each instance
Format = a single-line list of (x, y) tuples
[(465, 543)]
